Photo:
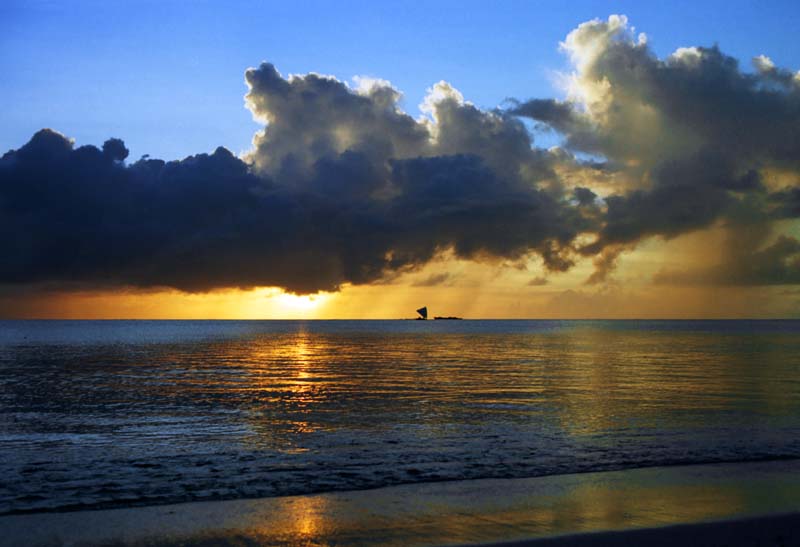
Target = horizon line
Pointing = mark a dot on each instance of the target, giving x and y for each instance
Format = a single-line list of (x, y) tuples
[(405, 319)]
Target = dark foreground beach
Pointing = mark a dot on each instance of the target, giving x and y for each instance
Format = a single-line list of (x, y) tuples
[(714, 504)]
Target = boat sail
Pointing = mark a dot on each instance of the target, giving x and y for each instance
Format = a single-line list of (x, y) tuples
[(423, 312)]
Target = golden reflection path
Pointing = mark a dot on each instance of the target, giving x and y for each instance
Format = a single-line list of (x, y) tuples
[(274, 409)]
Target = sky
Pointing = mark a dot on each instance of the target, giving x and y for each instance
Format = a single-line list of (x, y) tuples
[(512, 159)]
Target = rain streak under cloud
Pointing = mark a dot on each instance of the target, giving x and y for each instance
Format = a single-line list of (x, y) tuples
[(343, 187)]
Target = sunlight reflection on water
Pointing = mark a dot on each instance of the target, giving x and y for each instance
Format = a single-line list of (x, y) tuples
[(101, 413)]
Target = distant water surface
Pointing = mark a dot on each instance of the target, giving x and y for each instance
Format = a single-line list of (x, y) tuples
[(105, 413)]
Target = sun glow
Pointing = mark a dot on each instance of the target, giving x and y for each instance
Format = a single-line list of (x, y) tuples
[(294, 304)]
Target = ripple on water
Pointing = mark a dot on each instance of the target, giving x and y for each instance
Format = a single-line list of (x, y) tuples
[(107, 413)]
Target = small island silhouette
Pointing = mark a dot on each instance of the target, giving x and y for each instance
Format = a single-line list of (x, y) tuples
[(423, 315)]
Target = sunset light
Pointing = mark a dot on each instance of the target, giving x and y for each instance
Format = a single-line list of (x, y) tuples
[(400, 273), (293, 304)]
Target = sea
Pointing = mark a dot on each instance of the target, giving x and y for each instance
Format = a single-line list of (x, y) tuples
[(98, 414)]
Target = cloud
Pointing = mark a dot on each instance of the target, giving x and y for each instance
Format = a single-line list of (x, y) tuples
[(786, 203), (777, 263), (604, 264), (343, 187), (537, 281), (340, 187), (691, 134), (433, 280), (312, 118)]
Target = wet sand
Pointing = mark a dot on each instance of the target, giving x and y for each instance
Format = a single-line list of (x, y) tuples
[(777, 530), (720, 504)]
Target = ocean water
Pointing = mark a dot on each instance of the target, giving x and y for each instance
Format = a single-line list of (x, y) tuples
[(117, 413)]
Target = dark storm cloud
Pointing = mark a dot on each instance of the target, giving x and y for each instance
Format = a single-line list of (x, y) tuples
[(688, 194), (786, 203), (584, 196), (558, 115), (80, 217), (342, 186), (459, 202)]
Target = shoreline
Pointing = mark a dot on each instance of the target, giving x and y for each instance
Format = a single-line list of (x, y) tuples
[(142, 504), (603, 508), (757, 530)]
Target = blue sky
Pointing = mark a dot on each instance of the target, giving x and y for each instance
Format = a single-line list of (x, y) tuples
[(167, 77)]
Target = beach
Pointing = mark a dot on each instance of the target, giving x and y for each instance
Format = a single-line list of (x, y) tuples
[(715, 504)]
